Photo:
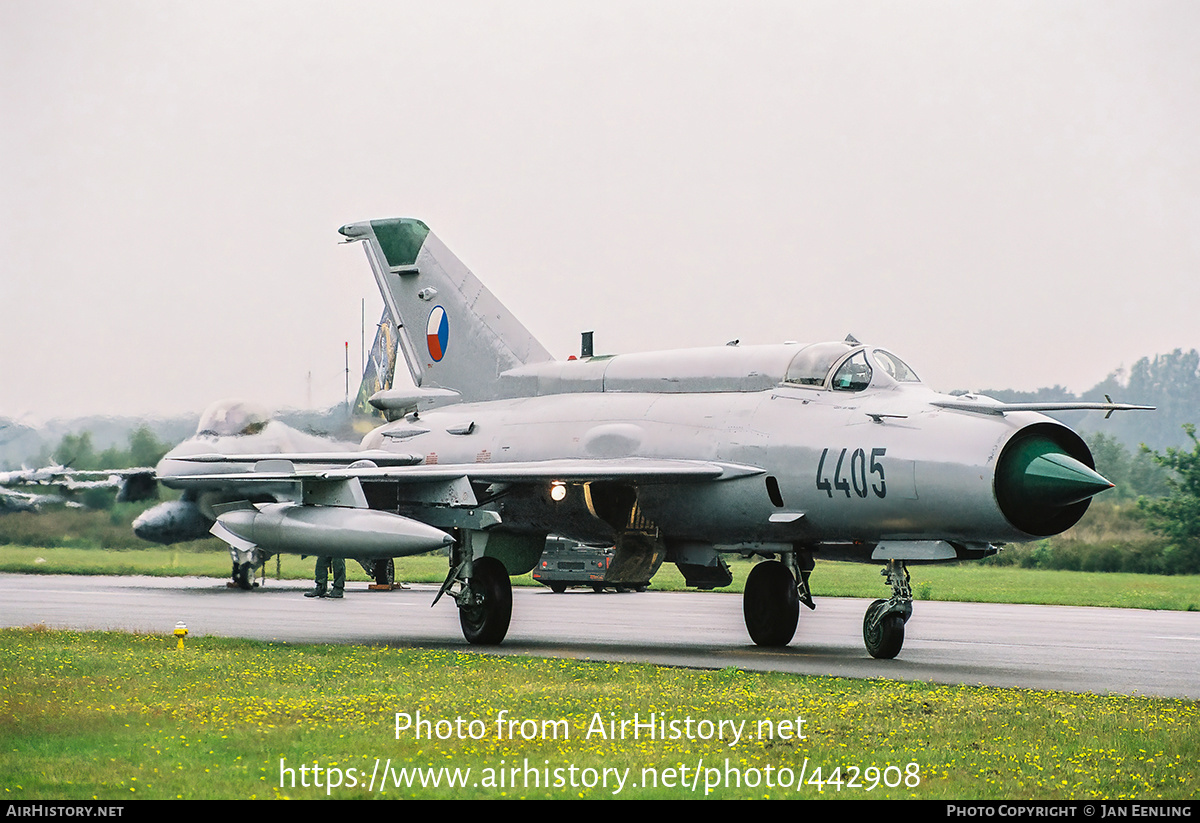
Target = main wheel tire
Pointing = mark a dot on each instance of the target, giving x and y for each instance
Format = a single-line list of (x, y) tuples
[(558, 588), (485, 622), (885, 639), (243, 576), (384, 572), (771, 604)]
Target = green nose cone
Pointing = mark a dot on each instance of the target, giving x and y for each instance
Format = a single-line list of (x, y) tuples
[(1059, 480), (1037, 478)]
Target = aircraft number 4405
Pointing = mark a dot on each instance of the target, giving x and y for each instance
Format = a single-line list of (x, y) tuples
[(856, 473)]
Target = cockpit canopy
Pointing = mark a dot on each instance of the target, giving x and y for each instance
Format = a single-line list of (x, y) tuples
[(847, 367), (229, 418)]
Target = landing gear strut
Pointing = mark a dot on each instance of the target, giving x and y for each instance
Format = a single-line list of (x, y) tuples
[(883, 624)]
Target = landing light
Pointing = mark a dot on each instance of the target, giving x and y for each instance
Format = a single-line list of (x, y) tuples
[(558, 491)]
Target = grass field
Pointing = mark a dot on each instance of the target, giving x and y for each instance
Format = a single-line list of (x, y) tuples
[(116, 716)]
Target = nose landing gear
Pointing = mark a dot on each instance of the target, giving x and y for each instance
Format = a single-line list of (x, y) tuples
[(883, 624)]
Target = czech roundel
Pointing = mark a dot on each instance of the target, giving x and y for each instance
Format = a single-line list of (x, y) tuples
[(437, 333)]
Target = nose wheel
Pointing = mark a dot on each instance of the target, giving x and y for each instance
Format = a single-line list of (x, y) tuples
[(883, 624), (883, 631)]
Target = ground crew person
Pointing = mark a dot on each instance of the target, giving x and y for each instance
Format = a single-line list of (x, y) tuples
[(321, 577)]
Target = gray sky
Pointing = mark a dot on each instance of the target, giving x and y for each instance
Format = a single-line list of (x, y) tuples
[(1006, 194)]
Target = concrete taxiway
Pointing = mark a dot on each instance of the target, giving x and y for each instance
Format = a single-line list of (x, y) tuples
[(1120, 651)]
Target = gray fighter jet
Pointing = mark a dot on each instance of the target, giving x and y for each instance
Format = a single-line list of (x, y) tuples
[(234, 427), (787, 452)]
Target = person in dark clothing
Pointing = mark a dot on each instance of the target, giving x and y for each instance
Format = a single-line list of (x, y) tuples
[(321, 577)]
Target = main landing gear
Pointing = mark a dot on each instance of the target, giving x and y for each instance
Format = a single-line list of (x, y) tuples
[(483, 592), (485, 603), (883, 624), (243, 576), (384, 571), (771, 602)]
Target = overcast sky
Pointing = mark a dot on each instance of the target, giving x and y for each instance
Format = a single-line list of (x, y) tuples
[(1006, 194)]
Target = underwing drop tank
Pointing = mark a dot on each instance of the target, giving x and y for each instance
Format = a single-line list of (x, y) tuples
[(291, 528), (174, 521)]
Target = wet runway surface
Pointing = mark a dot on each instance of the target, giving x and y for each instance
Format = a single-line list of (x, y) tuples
[(1124, 651)]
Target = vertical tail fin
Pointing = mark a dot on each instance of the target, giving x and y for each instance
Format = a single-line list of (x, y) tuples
[(453, 332)]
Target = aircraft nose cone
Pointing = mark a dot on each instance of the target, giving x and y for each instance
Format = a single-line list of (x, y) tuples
[(1060, 480), (1040, 487)]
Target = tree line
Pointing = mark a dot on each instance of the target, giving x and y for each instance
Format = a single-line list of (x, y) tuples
[(1169, 382), (76, 451)]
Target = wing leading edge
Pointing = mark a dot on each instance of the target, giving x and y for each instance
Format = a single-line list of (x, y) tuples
[(279, 468)]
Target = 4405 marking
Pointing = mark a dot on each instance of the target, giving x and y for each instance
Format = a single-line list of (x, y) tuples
[(860, 473)]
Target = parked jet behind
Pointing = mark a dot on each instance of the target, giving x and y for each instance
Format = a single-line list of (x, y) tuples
[(132, 485), (12, 500), (789, 452), (237, 428)]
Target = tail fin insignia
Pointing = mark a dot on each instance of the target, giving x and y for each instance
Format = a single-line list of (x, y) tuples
[(437, 333)]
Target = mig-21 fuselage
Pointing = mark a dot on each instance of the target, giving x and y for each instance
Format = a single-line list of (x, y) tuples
[(787, 452)]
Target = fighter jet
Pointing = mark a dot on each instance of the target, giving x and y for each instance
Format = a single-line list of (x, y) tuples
[(132, 485), (12, 500), (235, 427), (789, 452)]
